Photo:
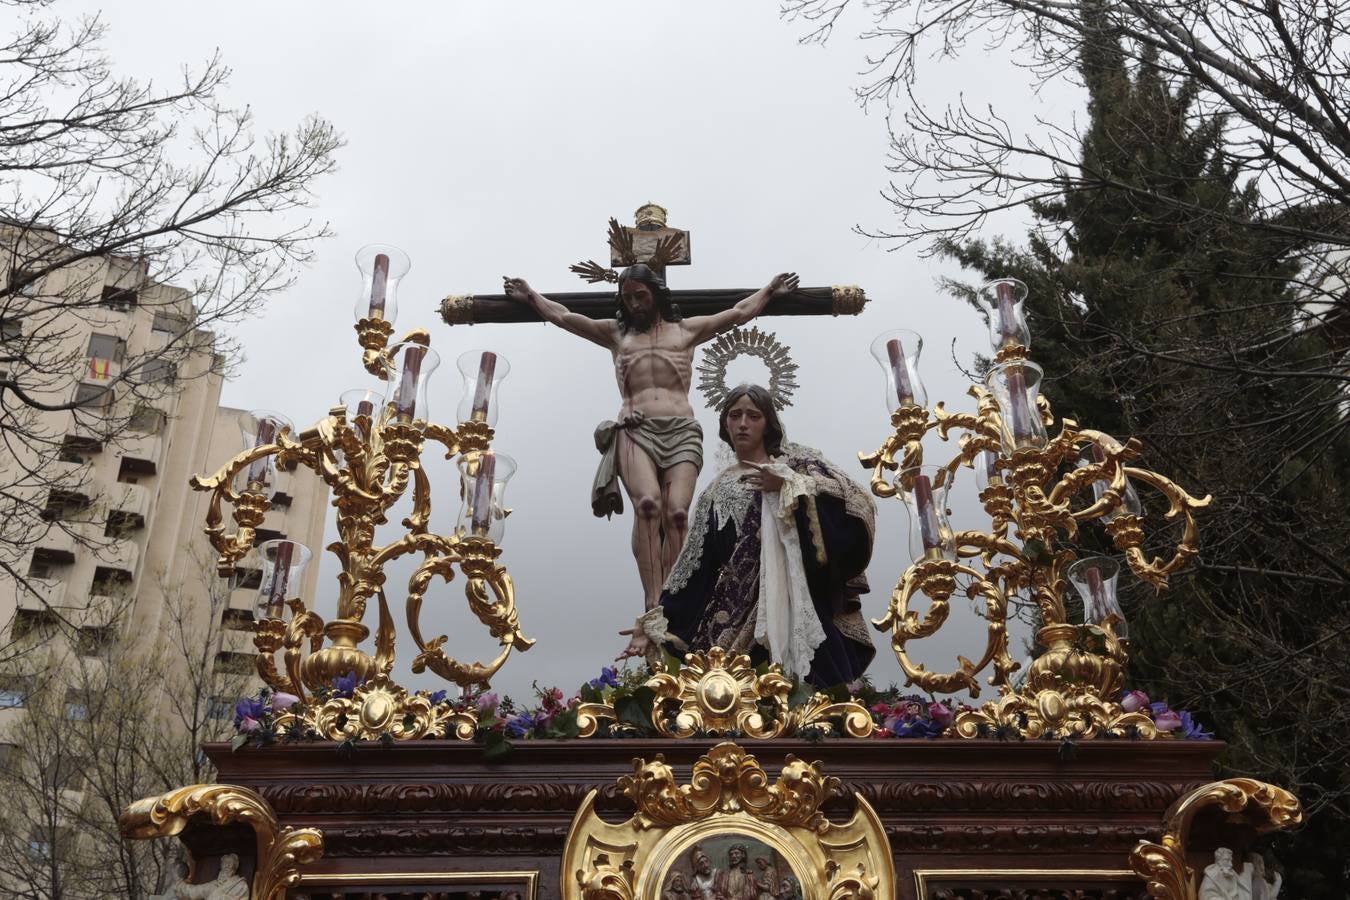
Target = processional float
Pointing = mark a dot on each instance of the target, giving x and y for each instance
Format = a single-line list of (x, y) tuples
[(695, 780)]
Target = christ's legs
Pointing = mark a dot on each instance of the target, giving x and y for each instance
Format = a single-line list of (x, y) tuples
[(641, 481), (677, 492)]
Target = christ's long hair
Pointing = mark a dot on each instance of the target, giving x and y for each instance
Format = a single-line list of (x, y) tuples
[(665, 304)]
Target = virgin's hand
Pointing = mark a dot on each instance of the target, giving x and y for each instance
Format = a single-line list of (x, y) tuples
[(637, 646), (763, 480)]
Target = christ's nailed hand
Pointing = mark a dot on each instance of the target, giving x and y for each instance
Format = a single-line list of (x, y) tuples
[(516, 288), (783, 284)]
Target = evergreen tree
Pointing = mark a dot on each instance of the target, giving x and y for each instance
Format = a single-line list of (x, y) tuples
[(1169, 321)]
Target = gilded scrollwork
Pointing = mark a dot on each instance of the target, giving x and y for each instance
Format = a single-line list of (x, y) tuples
[(1163, 865), (370, 462), (728, 792), (280, 851)]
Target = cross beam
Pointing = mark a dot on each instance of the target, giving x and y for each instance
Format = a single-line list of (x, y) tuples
[(473, 309)]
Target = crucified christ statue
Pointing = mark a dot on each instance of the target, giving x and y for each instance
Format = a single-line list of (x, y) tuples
[(655, 447)]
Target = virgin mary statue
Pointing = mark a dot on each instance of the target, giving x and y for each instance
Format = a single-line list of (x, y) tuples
[(773, 565)]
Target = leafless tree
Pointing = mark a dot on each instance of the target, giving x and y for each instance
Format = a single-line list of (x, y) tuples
[(123, 202)]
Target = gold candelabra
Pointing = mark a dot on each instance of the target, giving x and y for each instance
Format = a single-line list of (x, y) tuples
[(368, 451), (1029, 486)]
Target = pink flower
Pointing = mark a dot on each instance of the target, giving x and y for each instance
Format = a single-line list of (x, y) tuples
[(281, 700), (487, 702), (1134, 701), (1167, 720), (248, 724), (940, 714), (881, 708)]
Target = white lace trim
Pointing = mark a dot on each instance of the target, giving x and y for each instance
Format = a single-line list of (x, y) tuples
[(785, 618)]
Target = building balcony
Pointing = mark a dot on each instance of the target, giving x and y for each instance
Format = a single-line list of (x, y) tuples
[(141, 451), (233, 640), (132, 501), (76, 478), (50, 594), (243, 598), (57, 545)]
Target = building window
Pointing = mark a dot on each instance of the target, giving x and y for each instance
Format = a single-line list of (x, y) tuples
[(92, 396), (76, 709), (146, 420), (238, 619), (13, 693), (95, 640), (38, 622), (219, 708), (156, 371), (22, 282), (168, 323), (121, 299), (106, 346), (10, 329), (64, 505), (228, 663), (247, 578)]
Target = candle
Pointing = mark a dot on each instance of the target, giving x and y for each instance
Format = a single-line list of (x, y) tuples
[(1093, 577), (281, 575), (928, 522), (1007, 316), (379, 282), (1021, 410), (989, 461), (487, 365), (482, 494), (365, 408), (257, 470), (405, 403), (903, 391)]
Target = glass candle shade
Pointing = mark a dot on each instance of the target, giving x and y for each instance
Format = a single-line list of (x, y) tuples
[(987, 471), (406, 395), (1094, 578), (1129, 501), (897, 352), (362, 402), (382, 268), (283, 566), (924, 490), (482, 372), (1016, 386), (258, 429), (483, 478), (1004, 301)]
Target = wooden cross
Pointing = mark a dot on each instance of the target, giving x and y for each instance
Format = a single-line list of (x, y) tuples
[(649, 241)]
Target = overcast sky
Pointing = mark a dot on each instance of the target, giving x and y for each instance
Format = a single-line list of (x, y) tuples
[(497, 138)]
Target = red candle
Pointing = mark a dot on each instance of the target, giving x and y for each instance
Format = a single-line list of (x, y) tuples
[(365, 408), (406, 402), (928, 521), (903, 391), (379, 283), (1007, 316), (1093, 576), (487, 365), (1021, 410), (257, 470), (281, 576), (482, 494)]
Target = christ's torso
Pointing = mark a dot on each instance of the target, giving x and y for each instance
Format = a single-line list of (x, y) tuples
[(654, 370)]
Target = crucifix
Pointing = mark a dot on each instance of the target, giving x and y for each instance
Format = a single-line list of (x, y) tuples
[(654, 448)]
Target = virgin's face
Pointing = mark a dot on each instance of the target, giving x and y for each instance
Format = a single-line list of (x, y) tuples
[(745, 427)]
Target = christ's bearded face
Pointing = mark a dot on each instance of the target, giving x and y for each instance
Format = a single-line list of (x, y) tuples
[(638, 301), (736, 857)]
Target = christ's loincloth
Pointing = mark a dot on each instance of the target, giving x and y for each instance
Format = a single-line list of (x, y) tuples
[(668, 440)]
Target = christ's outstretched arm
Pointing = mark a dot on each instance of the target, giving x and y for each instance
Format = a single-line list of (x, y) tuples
[(600, 331), (705, 328)]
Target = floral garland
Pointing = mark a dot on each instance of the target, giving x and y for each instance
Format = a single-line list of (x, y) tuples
[(553, 715)]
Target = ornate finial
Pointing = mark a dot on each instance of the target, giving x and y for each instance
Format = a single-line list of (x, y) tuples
[(650, 217)]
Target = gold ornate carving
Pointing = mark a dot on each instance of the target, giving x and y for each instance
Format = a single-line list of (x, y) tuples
[(280, 852), (729, 793), (650, 215), (1072, 689), (847, 299), (457, 309), (377, 708), (1163, 865), (369, 462)]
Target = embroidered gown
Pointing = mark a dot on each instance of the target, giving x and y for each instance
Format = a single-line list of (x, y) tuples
[(825, 523)]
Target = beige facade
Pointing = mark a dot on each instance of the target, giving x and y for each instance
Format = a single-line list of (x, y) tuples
[(122, 537)]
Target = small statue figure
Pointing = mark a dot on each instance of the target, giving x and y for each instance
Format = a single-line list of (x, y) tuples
[(180, 880), (229, 885), (1221, 881), (1262, 887)]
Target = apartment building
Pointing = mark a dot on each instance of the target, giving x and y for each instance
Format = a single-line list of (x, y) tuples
[(120, 533)]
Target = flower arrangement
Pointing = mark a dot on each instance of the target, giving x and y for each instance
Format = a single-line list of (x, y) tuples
[(1178, 723)]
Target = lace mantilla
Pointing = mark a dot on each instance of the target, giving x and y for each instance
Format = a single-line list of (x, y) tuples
[(729, 500)]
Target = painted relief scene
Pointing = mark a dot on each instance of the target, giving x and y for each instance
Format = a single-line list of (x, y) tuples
[(731, 867)]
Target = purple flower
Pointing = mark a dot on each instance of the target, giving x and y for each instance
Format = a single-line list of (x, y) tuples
[(437, 697), (1167, 720), (282, 700), (344, 685), (940, 714), (855, 687), (248, 724), (487, 702), (1133, 701), (1191, 730), (1157, 709), (609, 677), (247, 708), (520, 725)]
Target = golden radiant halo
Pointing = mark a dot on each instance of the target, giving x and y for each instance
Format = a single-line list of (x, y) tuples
[(747, 342)]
